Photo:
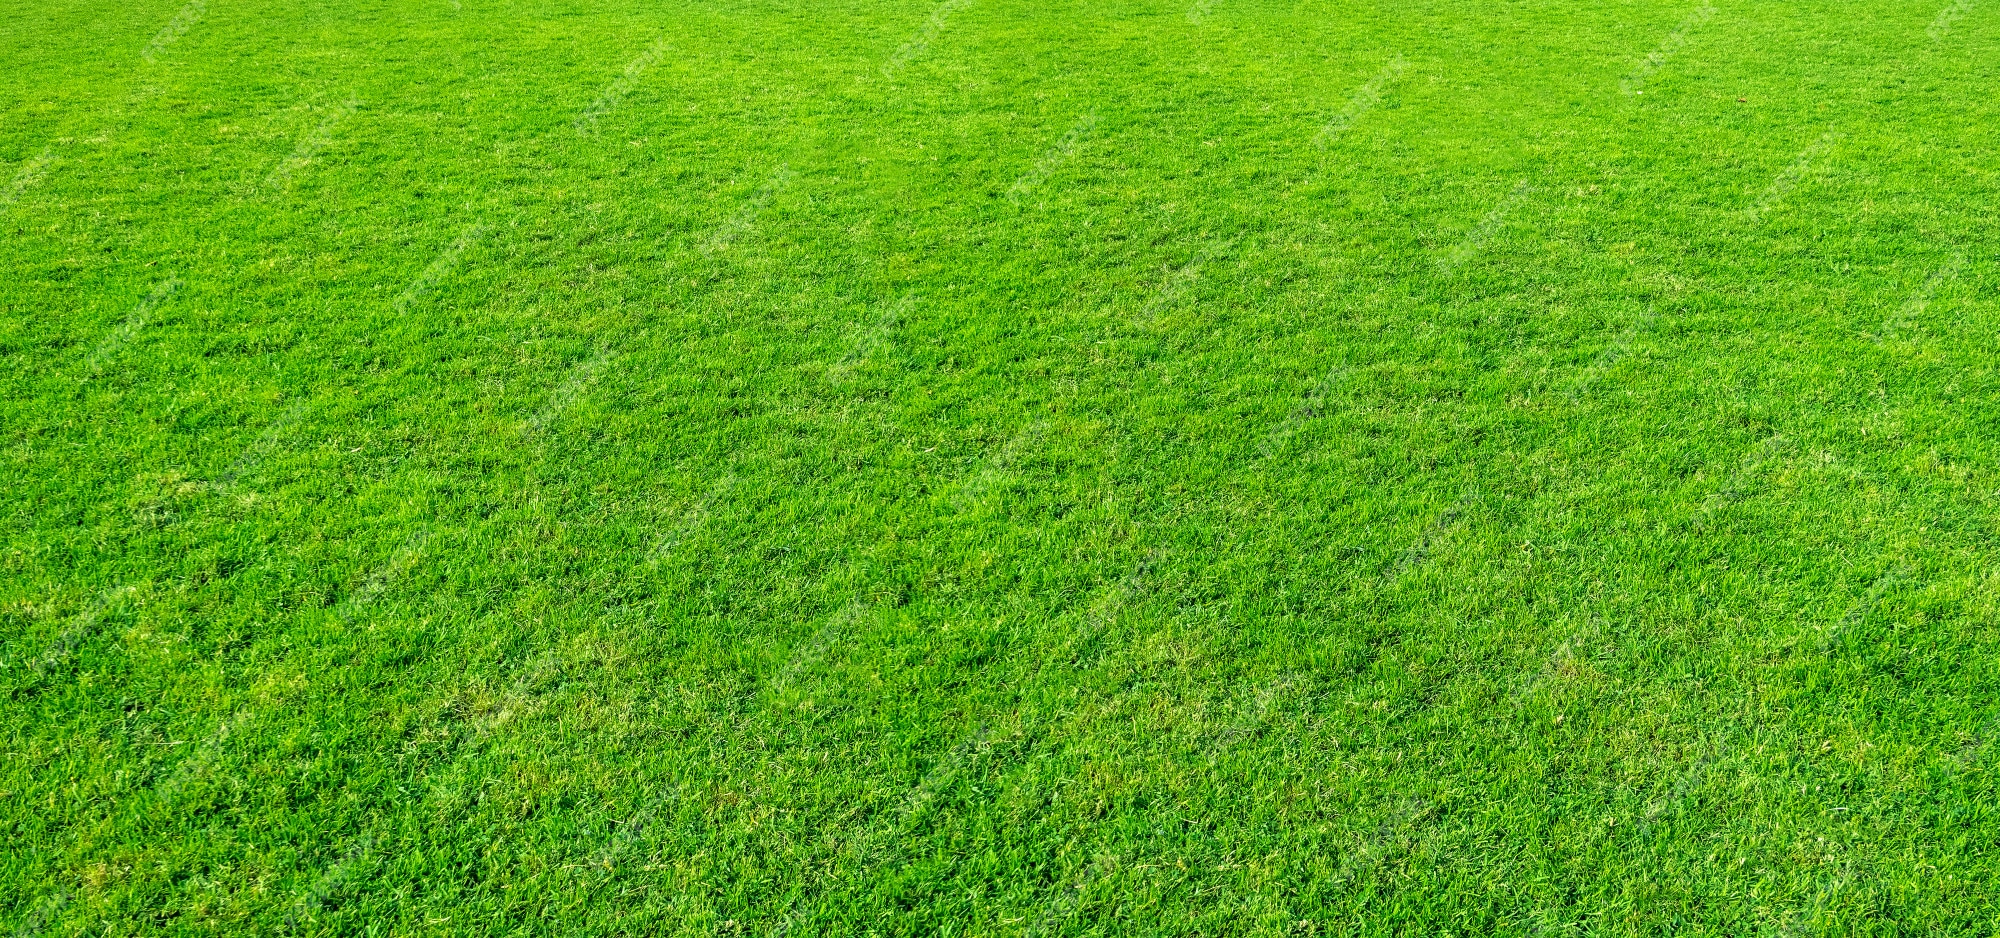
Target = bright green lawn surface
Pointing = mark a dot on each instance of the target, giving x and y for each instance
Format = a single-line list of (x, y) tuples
[(999, 468)]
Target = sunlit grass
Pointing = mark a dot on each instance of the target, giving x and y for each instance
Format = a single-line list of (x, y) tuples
[(988, 468)]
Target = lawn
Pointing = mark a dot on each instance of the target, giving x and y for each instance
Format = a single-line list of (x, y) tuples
[(1156, 467)]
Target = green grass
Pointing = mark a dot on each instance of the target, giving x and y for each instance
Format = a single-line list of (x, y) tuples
[(1422, 468)]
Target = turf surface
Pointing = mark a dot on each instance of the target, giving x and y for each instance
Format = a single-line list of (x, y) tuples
[(482, 467)]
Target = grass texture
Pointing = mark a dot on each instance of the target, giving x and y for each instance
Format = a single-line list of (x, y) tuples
[(590, 467)]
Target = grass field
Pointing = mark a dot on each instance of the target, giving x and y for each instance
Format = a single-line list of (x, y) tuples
[(894, 467)]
